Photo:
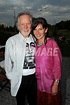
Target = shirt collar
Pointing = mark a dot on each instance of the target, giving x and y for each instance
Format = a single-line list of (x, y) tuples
[(23, 38)]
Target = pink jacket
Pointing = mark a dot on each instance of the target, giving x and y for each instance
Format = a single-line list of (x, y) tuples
[(48, 65)]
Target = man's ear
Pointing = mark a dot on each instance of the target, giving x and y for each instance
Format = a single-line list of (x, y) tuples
[(17, 25)]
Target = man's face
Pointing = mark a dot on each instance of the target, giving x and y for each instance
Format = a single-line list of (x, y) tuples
[(24, 25)]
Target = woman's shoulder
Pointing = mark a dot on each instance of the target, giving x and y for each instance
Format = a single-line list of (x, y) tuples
[(51, 40)]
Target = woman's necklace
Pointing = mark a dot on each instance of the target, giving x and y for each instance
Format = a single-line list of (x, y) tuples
[(39, 44)]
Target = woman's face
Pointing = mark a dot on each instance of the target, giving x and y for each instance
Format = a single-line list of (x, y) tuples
[(40, 32)]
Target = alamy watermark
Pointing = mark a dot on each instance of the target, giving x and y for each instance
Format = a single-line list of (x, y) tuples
[(48, 52)]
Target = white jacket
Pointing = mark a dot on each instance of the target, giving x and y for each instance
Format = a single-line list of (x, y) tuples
[(14, 60)]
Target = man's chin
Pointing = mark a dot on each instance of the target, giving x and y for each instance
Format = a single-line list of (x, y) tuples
[(26, 35)]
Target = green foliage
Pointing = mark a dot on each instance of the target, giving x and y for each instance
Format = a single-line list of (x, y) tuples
[(64, 32), (63, 25), (5, 33)]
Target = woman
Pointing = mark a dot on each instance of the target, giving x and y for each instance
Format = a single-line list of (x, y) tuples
[(48, 64)]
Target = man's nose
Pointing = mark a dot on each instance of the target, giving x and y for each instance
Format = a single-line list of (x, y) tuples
[(25, 26)]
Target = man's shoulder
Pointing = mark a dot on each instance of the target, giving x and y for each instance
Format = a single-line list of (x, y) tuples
[(13, 38)]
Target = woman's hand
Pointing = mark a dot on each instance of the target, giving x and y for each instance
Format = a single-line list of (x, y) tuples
[(55, 88)]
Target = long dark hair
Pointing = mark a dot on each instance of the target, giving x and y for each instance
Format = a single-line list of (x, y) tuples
[(40, 20)]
